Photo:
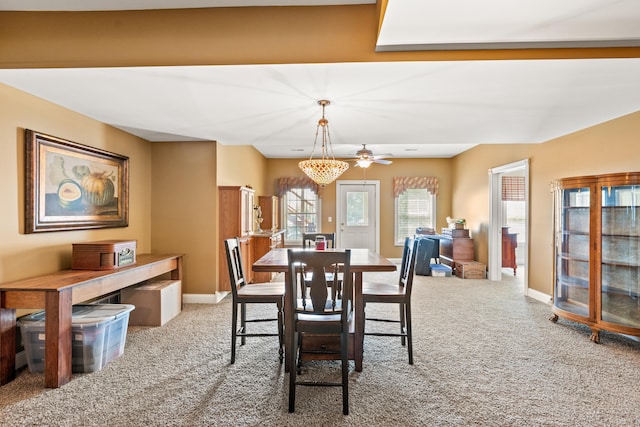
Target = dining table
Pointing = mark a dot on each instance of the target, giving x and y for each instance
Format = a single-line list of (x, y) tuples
[(362, 261)]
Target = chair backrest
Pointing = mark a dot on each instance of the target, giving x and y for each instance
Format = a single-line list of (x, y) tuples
[(234, 262), (408, 265), (309, 239), (315, 296)]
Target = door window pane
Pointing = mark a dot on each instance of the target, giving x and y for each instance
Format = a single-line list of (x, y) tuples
[(357, 209)]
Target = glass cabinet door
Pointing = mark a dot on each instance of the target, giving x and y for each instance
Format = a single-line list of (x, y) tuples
[(620, 281), (572, 240)]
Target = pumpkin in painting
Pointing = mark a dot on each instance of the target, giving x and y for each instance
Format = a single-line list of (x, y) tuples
[(98, 189)]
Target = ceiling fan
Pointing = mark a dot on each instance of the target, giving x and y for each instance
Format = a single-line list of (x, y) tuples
[(366, 157)]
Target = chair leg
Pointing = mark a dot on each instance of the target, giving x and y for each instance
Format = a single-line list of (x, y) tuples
[(234, 329), (403, 324), (292, 373), (243, 322), (298, 348), (344, 350), (409, 332), (281, 332)]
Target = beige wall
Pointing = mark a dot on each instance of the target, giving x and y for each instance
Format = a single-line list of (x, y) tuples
[(24, 255), (173, 198), (184, 203), (173, 192), (252, 36), (441, 168), (243, 166), (606, 148)]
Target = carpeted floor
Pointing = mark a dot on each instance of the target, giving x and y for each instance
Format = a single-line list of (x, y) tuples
[(485, 355)]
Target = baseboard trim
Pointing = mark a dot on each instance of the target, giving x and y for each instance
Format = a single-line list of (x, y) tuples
[(203, 298), (540, 296)]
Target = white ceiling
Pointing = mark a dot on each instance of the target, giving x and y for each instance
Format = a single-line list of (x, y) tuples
[(407, 109)]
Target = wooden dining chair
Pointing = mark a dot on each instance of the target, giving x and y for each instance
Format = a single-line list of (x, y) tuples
[(313, 307), (256, 293), (309, 239), (395, 293)]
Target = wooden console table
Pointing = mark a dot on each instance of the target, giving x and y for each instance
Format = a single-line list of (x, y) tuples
[(56, 293)]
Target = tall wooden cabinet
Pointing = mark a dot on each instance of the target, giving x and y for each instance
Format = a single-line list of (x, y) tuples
[(270, 206), (597, 252), (236, 220)]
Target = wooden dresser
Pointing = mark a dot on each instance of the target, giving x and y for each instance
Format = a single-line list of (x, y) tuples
[(509, 244), (455, 245)]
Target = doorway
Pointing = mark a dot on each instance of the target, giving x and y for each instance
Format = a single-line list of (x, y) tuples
[(509, 215), (358, 214)]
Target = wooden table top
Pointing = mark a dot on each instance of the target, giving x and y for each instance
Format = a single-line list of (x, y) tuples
[(361, 260), (68, 278)]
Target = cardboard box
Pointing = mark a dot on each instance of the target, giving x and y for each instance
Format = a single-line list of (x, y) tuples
[(103, 255), (156, 302), (470, 270)]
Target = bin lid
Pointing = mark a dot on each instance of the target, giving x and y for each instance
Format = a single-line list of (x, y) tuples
[(86, 313)]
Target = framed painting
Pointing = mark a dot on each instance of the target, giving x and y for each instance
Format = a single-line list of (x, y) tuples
[(70, 186)]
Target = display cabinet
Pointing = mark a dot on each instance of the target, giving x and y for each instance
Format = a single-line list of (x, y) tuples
[(597, 252)]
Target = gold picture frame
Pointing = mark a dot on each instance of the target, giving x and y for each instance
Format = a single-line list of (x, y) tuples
[(70, 186)]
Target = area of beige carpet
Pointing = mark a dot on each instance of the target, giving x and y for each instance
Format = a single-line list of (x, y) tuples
[(485, 355)]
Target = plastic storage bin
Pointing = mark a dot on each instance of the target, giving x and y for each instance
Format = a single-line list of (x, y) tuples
[(98, 335), (440, 270)]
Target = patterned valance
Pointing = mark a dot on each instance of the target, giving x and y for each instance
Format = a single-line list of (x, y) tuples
[(402, 183), (513, 188), (287, 183)]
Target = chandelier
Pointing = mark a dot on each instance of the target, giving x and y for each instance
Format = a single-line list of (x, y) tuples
[(326, 169)]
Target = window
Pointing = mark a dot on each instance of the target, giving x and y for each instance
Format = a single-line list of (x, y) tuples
[(301, 213), (415, 207)]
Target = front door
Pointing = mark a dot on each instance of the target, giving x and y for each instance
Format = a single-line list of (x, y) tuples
[(358, 214)]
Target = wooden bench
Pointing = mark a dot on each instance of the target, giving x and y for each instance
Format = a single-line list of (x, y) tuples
[(56, 293)]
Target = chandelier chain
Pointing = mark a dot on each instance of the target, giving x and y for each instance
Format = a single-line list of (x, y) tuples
[(326, 169)]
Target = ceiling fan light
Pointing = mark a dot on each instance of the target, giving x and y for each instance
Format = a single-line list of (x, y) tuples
[(364, 163)]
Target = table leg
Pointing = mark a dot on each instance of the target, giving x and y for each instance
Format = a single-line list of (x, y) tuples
[(177, 275), (57, 358), (7, 344), (359, 320)]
